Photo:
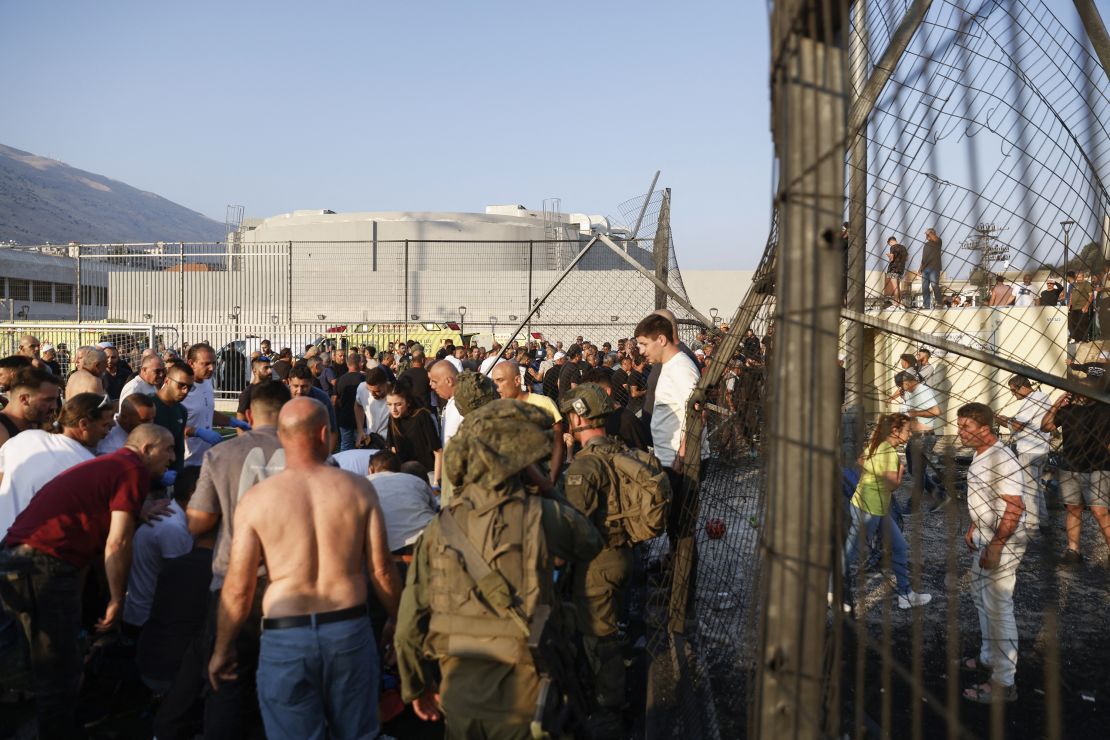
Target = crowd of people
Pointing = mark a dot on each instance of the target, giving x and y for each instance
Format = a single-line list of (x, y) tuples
[(367, 524), (1007, 489), (1084, 292)]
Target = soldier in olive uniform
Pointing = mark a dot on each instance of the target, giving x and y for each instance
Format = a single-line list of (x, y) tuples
[(599, 588), (479, 637)]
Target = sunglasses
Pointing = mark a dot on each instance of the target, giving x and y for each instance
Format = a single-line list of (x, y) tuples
[(183, 386)]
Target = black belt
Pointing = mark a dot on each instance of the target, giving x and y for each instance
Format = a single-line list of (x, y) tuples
[(304, 620)]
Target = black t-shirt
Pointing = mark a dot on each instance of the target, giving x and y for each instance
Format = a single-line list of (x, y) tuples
[(245, 397), (551, 382), (571, 374), (637, 380), (114, 383), (281, 369), (1050, 297), (898, 260), (619, 380), (421, 388), (625, 426), (415, 437), (345, 389), (1086, 432)]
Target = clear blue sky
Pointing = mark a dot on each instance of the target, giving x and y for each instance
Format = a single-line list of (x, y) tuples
[(407, 106)]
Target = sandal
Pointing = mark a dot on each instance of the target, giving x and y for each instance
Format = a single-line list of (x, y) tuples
[(988, 693)]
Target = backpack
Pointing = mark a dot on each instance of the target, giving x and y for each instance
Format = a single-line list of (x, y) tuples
[(642, 496)]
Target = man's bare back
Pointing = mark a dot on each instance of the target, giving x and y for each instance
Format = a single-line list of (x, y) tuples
[(83, 381), (321, 534)]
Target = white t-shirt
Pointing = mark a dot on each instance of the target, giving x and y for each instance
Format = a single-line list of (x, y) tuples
[(408, 504), (455, 361), (113, 441), (451, 421), (1024, 295), (137, 385), (153, 543), (29, 461), (376, 409), (489, 362), (926, 372), (201, 405), (678, 377), (354, 461), (1031, 440), (922, 398), (995, 473)]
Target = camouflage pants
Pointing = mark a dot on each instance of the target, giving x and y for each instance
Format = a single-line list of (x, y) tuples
[(599, 592)]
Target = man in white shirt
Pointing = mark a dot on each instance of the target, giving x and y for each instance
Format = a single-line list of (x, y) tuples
[(407, 501), (201, 404), (34, 458), (1031, 443), (997, 488), (678, 377), (919, 402), (152, 373), (134, 410), (355, 461), (371, 411), (443, 378), (1024, 292)]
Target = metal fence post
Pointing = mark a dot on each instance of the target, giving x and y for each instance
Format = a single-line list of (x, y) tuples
[(809, 115), (406, 290), (181, 293), (79, 280), (530, 252), (289, 286)]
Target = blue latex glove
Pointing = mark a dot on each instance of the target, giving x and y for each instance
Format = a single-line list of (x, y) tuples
[(209, 436), (239, 424), (169, 477)]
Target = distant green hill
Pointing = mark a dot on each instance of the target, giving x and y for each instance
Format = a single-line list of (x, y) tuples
[(44, 200)]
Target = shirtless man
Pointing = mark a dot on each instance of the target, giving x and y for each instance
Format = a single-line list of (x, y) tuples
[(506, 376), (323, 535), (87, 378)]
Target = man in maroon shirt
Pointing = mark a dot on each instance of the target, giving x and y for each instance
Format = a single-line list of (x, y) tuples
[(90, 508)]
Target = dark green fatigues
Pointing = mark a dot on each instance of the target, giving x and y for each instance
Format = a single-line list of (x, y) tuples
[(481, 698), (599, 588)]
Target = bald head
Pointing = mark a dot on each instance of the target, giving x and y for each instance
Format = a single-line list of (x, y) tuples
[(303, 427), (506, 376), (147, 434), (441, 378)]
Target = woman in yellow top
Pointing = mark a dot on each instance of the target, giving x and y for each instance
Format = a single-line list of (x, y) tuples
[(882, 472)]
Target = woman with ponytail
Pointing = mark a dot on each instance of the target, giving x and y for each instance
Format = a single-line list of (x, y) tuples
[(882, 472)]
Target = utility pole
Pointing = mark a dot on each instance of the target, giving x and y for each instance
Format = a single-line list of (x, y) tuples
[(661, 248), (809, 116)]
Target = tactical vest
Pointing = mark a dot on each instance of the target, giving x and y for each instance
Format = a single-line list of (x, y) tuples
[(508, 532)]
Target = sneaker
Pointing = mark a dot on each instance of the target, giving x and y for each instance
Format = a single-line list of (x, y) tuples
[(913, 599), (1071, 557)]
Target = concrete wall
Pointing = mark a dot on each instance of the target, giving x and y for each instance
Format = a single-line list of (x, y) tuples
[(1034, 336)]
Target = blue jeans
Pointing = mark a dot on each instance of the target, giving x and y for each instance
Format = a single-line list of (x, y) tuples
[(930, 287), (864, 526), (348, 438), (919, 452), (319, 681)]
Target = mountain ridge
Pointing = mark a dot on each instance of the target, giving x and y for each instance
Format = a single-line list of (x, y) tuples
[(44, 200)]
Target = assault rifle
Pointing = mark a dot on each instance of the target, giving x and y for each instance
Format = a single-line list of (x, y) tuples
[(561, 707)]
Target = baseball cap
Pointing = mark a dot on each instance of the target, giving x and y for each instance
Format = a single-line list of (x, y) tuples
[(105, 345), (560, 355), (47, 347)]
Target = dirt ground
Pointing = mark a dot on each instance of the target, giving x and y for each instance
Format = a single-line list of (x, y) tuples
[(1063, 618)]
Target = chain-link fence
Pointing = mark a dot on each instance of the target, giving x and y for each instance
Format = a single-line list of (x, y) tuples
[(984, 122)]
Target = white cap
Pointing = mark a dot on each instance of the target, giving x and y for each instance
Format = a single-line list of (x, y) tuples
[(105, 345), (560, 355), (46, 348)]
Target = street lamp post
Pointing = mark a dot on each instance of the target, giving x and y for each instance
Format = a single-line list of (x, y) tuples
[(462, 325), (1067, 232)]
